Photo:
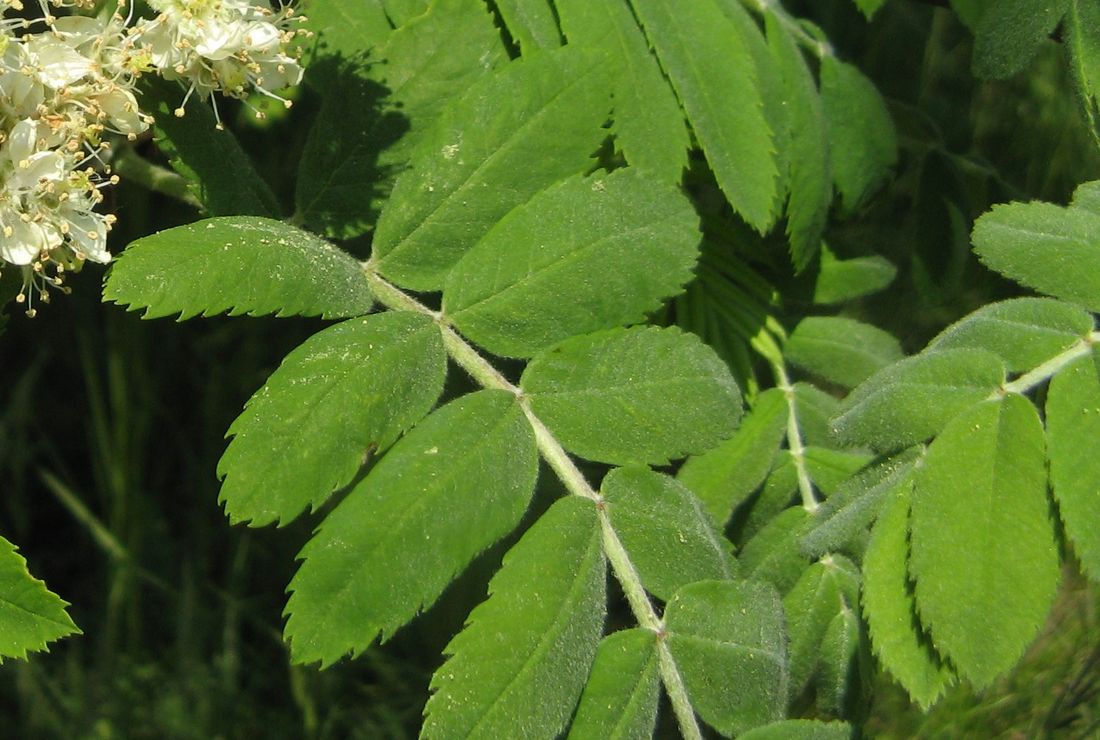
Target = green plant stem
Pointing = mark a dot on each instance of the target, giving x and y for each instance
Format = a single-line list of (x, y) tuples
[(1048, 369), (131, 166), (482, 371), (766, 346), (817, 47), (794, 440)]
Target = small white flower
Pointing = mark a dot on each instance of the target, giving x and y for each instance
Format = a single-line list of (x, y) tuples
[(231, 46)]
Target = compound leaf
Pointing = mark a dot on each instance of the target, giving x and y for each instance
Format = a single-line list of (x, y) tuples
[(521, 663), (639, 395), (1046, 247), (449, 489), (1024, 332), (983, 551), (840, 350), (510, 135), (726, 475), (733, 630), (241, 265), (911, 400), (1073, 426), (712, 70), (663, 527), (620, 699), (30, 615), (862, 142), (346, 390), (1010, 33), (647, 121), (615, 244), (890, 608)]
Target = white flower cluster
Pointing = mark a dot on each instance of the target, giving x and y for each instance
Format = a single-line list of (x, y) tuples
[(230, 46), (67, 87)]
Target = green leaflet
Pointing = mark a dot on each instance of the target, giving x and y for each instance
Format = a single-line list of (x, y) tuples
[(841, 679), (869, 7), (641, 395), (663, 527), (776, 99), (1081, 35), (1024, 332), (401, 12), (811, 184), (1073, 426), (220, 173), (531, 23), (842, 351), (449, 489), (647, 121), (773, 554), (1009, 35), (240, 265), (890, 608), (983, 550), (1043, 246), (713, 73), (810, 606), (620, 698), (910, 401), (816, 410), (840, 280), (800, 729), (510, 135), (829, 468), (345, 29), (862, 142), (380, 107), (726, 475), (616, 245), (522, 661), (30, 615), (733, 630), (846, 513), (346, 391)]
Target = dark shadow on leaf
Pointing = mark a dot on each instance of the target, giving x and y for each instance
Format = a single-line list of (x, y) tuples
[(353, 152)]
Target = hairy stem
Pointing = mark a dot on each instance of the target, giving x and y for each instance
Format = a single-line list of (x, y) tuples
[(766, 345), (482, 371), (1048, 369), (794, 440)]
